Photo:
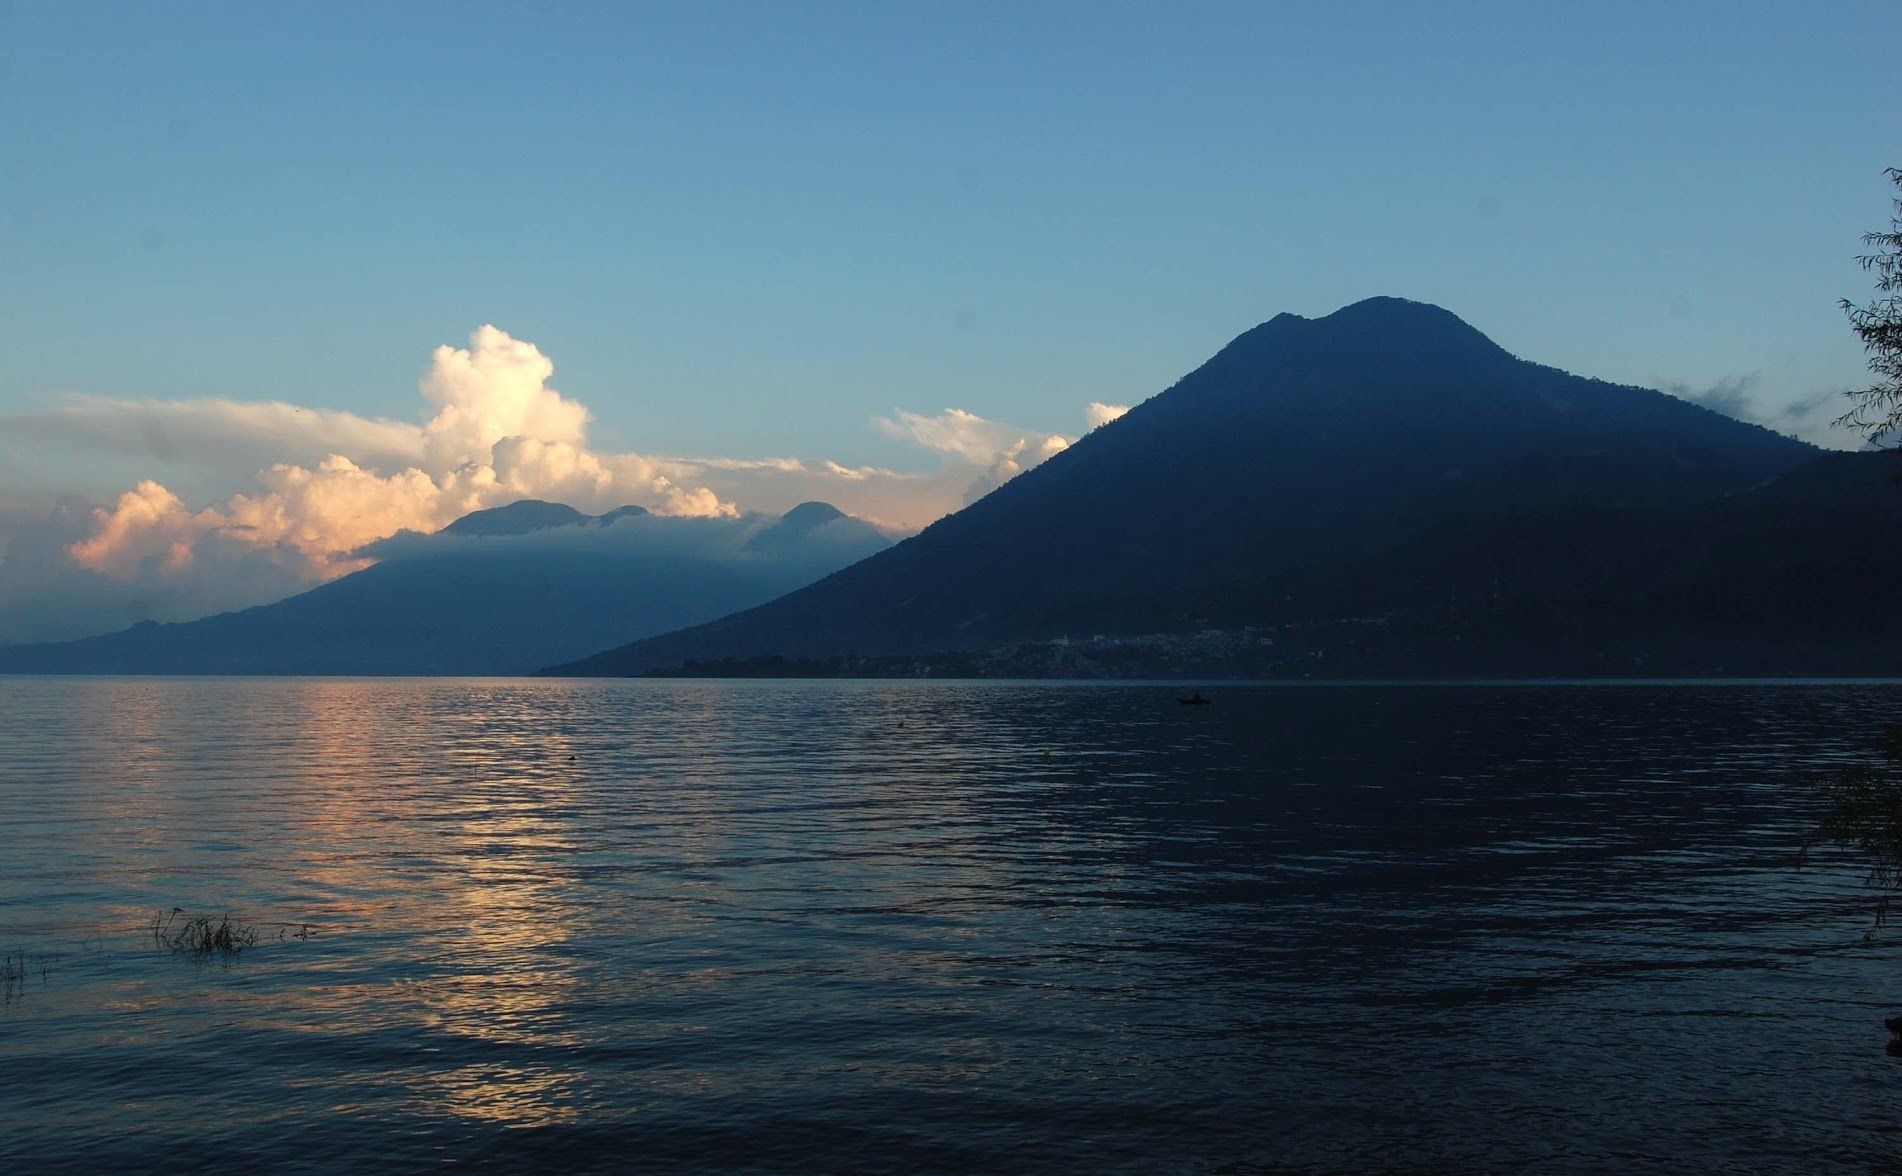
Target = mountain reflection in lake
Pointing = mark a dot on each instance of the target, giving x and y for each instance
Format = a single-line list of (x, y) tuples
[(938, 926)]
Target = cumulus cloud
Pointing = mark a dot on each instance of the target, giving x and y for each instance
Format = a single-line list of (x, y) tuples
[(1098, 414), (46, 596), (494, 389), (963, 435), (999, 452), (1023, 454), (148, 520), (315, 487), (499, 432)]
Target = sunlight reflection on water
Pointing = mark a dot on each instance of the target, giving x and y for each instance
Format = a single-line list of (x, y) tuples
[(936, 925)]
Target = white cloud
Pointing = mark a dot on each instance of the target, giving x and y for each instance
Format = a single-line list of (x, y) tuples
[(1025, 453), (499, 433), (996, 452), (1099, 414), (963, 435), (319, 485), (148, 522), (496, 388), (231, 436), (46, 596)]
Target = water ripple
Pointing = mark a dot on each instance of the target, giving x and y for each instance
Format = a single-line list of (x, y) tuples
[(937, 926)]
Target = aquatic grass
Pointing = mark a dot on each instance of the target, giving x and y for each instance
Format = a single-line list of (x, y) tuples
[(201, 935), (16, 968), (198, 937)]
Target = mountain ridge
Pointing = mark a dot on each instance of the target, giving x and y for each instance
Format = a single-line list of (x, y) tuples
[(511, 591), (1301, 446)]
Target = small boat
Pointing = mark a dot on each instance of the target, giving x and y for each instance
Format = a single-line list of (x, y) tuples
[(1195, 699)]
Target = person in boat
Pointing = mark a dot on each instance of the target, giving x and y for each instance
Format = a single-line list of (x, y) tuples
[(1195, 699)]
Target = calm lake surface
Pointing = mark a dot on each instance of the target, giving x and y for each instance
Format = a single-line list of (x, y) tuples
[(938, 926)]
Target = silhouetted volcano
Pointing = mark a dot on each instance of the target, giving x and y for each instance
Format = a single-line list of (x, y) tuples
[(520, 518), (1302, 449), (499, 591), (800, 524), (808, 515)]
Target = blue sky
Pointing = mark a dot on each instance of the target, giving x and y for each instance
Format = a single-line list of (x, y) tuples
[(747, 229)]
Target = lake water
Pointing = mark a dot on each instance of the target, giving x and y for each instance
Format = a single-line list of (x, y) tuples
[(937, 926)]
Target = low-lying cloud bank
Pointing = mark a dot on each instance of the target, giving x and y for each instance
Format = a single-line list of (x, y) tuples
[(326, 485), (729, 539), (1811, 418)]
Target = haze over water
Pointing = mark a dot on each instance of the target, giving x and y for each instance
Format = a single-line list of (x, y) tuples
[(937, 926)]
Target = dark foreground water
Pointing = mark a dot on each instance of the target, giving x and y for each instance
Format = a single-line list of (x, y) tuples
[(823, 926)]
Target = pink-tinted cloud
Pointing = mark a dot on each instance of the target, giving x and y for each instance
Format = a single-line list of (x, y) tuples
[(497, 430)]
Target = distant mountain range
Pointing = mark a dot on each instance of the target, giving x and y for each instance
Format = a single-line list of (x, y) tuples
[(499, 591), (529, 515), (1393, 493)]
